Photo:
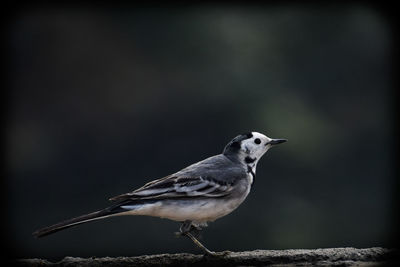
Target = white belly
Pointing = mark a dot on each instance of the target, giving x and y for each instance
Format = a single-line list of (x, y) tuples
[(199, 211)]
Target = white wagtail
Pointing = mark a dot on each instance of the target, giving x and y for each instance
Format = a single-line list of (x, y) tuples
[(195, 195)]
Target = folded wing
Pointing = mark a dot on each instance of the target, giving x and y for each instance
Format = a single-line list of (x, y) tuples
[(177, 187)]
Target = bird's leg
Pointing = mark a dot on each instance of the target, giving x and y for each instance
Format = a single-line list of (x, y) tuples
[(187, 226), (185, 229), (200, 245)]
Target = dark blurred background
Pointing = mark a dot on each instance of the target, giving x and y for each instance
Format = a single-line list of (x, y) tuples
[(103, 99)]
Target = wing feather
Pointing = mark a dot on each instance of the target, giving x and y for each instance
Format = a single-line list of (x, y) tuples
[(177, 187)]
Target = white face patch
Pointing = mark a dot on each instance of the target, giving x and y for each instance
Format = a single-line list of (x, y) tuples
[(255, 147)]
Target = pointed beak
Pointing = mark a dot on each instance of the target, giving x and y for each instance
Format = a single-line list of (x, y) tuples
[(276, 142)]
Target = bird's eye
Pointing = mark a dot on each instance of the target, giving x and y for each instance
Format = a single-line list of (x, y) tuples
[(257, 141)]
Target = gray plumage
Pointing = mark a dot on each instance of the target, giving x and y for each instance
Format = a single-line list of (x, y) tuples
[(195, 195), (212, 177)]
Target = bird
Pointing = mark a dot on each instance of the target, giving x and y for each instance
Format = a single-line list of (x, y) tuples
[(194, 196)]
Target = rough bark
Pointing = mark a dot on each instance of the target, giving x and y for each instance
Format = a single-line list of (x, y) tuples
[(292, 257)]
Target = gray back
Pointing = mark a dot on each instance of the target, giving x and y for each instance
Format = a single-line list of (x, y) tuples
[(217, 167)]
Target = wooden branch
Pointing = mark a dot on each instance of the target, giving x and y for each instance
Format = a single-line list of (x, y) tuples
[(291, 257)]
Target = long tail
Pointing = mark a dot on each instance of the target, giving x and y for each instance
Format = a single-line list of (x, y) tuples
[(101, 214)]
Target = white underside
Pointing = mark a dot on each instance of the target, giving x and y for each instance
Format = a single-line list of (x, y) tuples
[(200, 211)]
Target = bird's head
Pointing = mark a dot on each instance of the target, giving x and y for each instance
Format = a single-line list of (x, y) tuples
[(250, 147)]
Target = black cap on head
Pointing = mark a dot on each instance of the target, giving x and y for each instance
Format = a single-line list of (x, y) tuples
[(234, 145)]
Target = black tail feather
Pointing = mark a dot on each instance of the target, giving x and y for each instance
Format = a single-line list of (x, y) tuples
[(73, 222), (101, 214)]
